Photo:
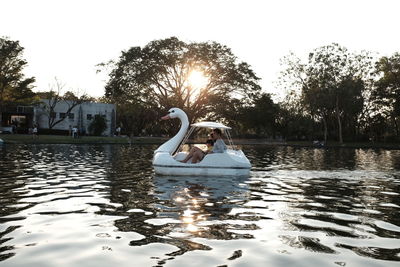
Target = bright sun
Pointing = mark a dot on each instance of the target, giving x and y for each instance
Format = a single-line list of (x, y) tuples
[(197, 79)]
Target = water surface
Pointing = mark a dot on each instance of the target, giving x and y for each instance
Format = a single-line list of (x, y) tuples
[(68, 205)]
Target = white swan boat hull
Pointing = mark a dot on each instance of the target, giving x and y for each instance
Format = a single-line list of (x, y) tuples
[(230, 163), (166, 162)]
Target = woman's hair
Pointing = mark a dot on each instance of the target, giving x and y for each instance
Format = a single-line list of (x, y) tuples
[(210, 141), (218, 131)]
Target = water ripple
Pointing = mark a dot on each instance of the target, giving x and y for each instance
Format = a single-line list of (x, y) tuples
[(70, 205)]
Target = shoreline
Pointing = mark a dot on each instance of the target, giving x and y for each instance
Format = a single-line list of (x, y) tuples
[(124, 140)]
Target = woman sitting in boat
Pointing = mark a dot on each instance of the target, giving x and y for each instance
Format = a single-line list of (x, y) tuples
[(219, 144), (196, 154)]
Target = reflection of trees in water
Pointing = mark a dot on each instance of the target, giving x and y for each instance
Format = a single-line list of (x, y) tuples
[(30, 171), (12, 181), (375, 252), (309, 158), (129, 178), (308, 243), (183, 208), (377, 159), (348, 207), (336, 204), (175, 210), (263, 156)]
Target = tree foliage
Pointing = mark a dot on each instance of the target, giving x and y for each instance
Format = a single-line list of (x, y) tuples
[(386, 94), (14, 87), (331, 85), (159, 75), (98, 125), (138, 118), (293, 122), (54, 98), (260, 119)]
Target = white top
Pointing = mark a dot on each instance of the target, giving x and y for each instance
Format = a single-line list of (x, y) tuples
[(210, 124), (219, 146)]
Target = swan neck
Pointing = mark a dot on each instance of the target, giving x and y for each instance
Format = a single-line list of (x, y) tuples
[(171, 145)]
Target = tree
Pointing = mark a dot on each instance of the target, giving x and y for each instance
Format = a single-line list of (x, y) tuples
[(137, 118), (349, 105), (98, 125), (196, 77), (53, 98), (386, 93), (294, 78), (14, 87), (293, 121), (331, 80), (260, 118), (377, 127)]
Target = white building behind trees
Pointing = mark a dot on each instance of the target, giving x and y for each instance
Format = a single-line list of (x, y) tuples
[(80, 116)]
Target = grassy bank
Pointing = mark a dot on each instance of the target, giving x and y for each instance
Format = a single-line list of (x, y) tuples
[(59, 139), (62, 139), (333, 144)]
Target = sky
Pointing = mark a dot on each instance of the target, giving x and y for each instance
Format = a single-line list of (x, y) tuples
[(66, 39)]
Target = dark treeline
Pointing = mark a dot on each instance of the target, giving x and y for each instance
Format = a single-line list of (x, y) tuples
[(333, 95), (342, 96)]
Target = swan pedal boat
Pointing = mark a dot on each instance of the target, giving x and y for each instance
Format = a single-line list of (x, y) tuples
[(166, 159)]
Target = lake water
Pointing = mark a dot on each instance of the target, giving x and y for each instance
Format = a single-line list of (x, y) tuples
[(68, 205)]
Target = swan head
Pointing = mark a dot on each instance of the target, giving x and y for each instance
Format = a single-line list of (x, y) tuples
[(174, 113)]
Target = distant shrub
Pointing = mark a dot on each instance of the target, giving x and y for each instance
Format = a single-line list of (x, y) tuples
[(98, 125), (49, 131), (391, 139)]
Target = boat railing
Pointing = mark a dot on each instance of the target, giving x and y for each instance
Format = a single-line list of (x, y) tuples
[(230, 141), (184, 140), (191, 130)]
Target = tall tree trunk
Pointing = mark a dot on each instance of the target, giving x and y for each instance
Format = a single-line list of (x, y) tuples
[(340, 128), (325, 129), (50, 123), (339, 121), (1, 109), (396, 127)]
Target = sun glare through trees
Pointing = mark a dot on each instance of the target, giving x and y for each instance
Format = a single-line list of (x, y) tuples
[(197, 80)]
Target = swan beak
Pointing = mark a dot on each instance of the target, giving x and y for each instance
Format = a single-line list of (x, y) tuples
[(166, 117)]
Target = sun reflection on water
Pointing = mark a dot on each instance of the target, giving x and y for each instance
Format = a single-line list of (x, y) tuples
[(300, 206)]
